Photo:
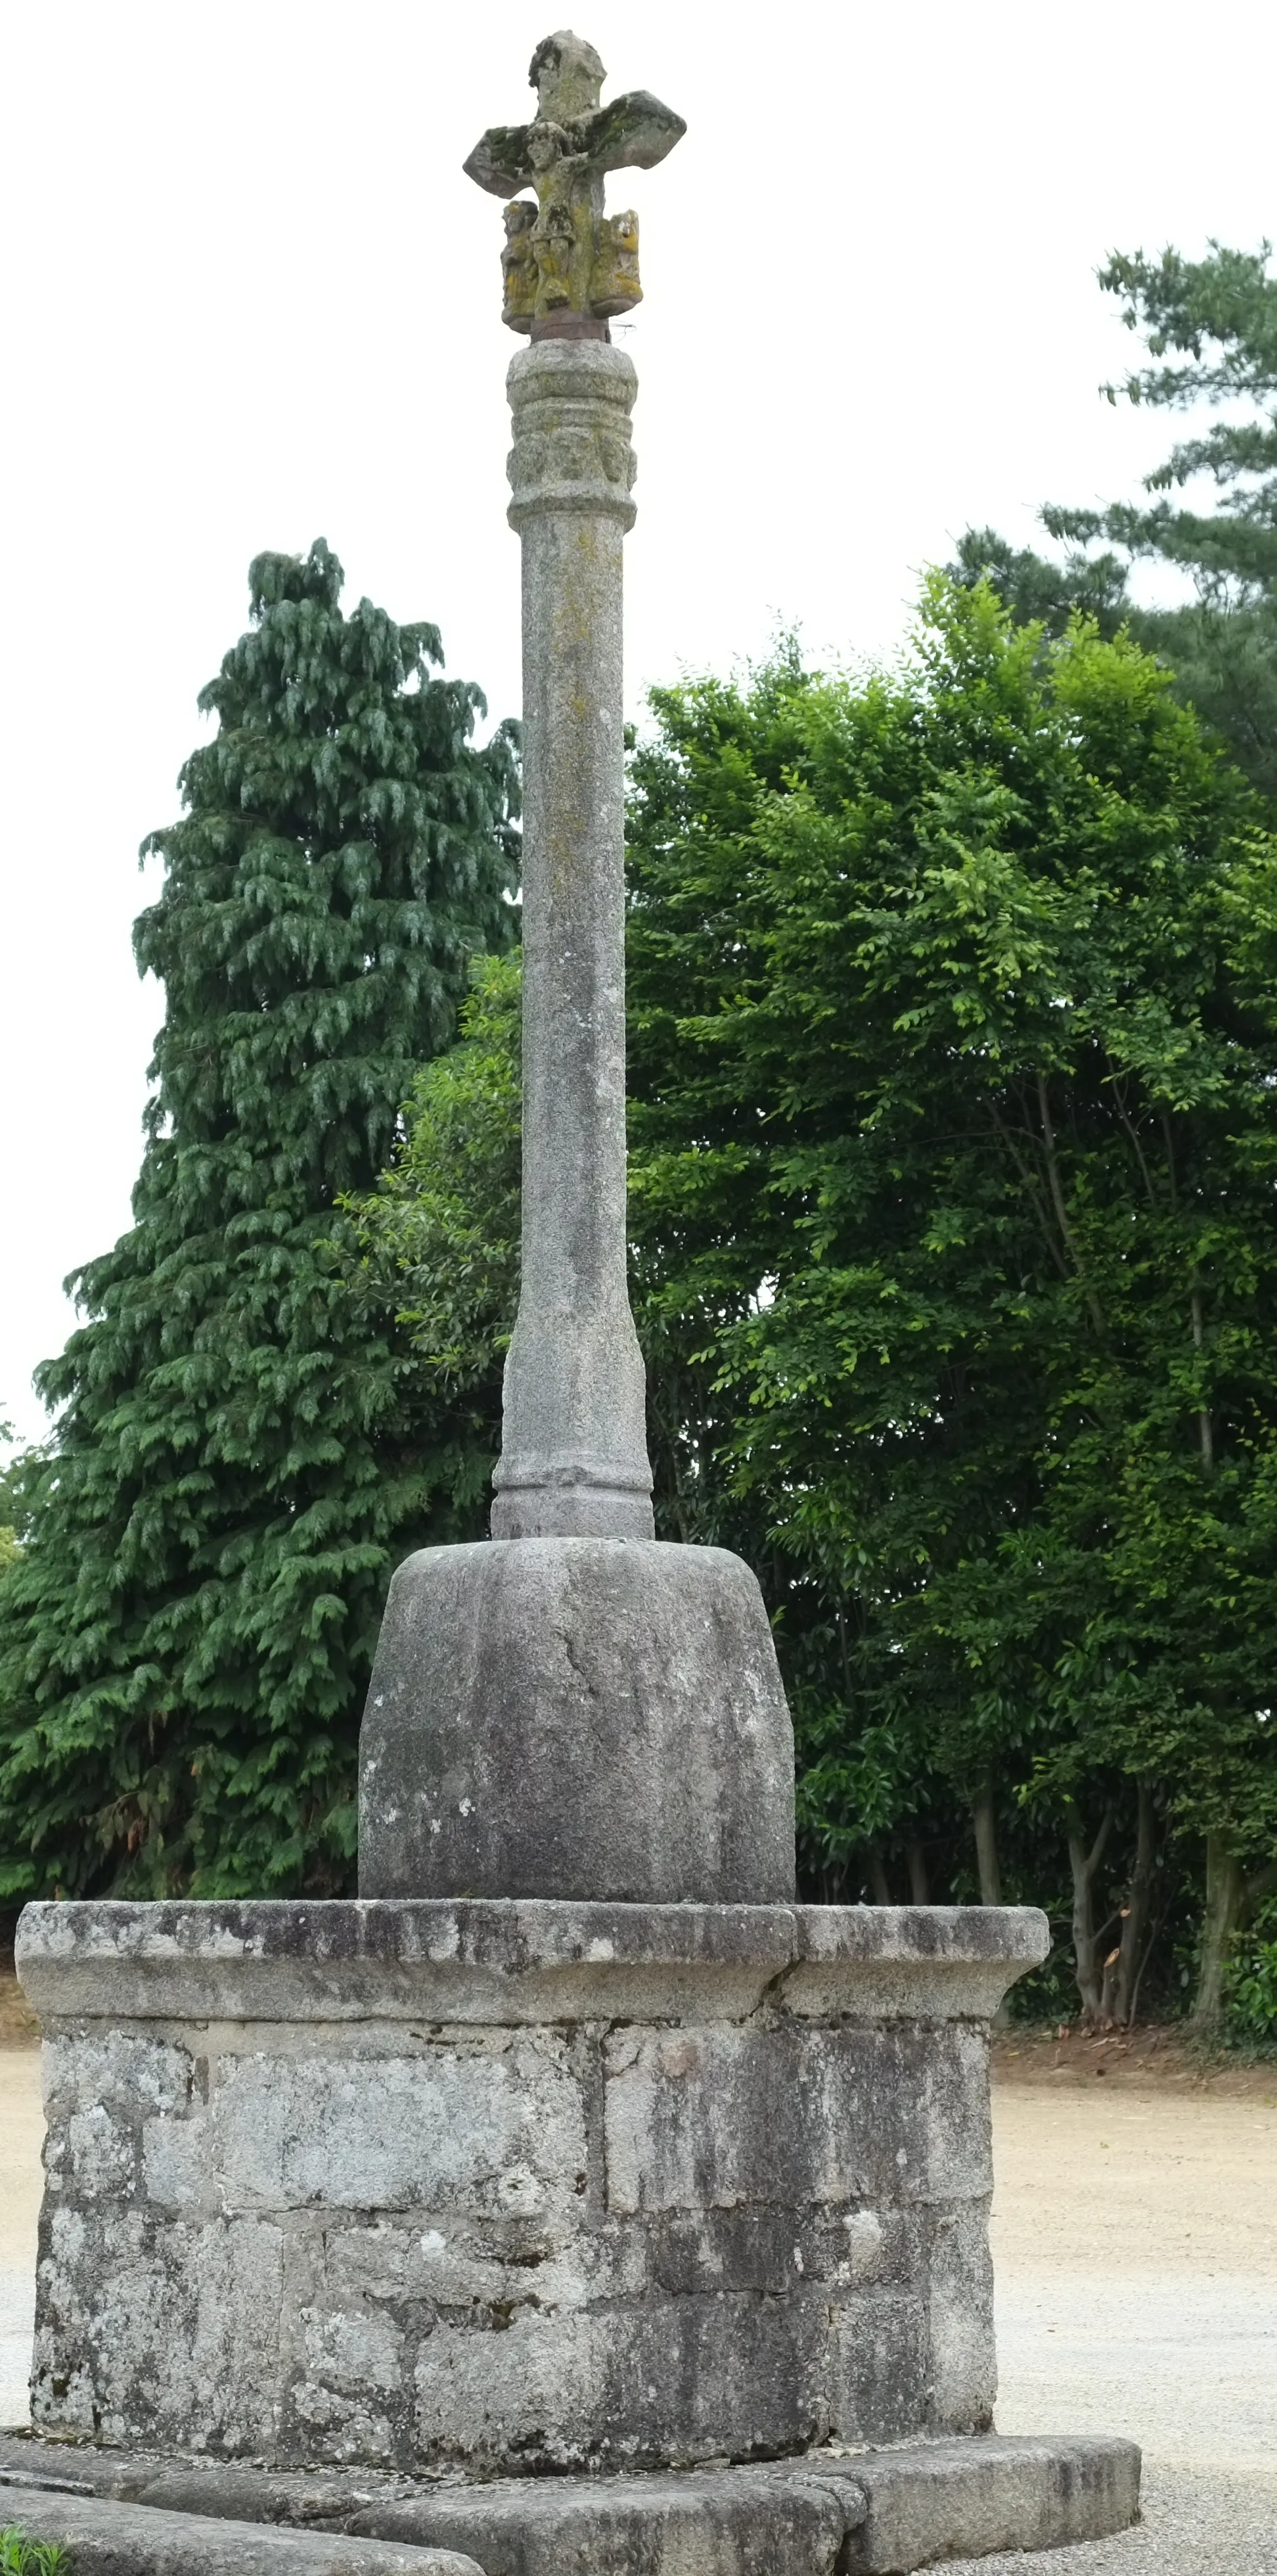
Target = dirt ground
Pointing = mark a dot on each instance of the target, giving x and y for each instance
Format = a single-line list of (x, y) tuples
[(1146, 2060), (21, 2138), (17, 2024), (1135, 2247)]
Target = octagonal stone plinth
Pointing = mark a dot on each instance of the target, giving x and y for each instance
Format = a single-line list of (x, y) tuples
[(495, 2187)]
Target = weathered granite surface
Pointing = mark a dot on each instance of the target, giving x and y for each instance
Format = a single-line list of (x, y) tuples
[(574, 1449), (575, 1717), (867, 2513), (727, 2198)]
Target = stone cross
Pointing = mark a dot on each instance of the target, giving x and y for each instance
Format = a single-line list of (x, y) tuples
[(574, 1453), (577, 2016), (567, 266)]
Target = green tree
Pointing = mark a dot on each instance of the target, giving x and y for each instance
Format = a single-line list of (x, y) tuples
[(8, 1533), (959, 990), (17, 1474), (1210, 326), (438, 1240), (953, 1009), (1039, 591), (240, 1457)]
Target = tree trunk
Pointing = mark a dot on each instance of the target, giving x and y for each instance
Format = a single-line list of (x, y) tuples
[(986, 1860), (1231, 1899), (919, 1891), (986, 1842), (1135, 1912), (878, 1877), (1225, 1896), (1084, 1865), (1108, 1989)]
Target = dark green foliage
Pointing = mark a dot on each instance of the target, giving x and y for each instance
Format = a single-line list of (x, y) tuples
[(957, 999), (242, 1454), (994, 1037), (953, 1012), (440, 1236), (1251, 1988), (11, 1513), (1215, 320)]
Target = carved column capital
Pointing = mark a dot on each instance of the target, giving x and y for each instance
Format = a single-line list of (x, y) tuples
[(571, 402)]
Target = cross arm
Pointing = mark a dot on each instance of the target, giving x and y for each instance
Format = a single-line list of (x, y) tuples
[(632, 133), (501, 160)]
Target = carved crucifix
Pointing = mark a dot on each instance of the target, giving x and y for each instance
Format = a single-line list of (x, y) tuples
[(568, 267)]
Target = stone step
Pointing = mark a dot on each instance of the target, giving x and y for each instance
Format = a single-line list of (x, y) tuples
[(104, 2537), (867, 2513)]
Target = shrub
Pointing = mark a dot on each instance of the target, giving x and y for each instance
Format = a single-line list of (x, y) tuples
[(1250, 2004)]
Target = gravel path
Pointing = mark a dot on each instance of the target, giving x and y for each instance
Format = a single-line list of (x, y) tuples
[(21, 2136), (1135, 2238)]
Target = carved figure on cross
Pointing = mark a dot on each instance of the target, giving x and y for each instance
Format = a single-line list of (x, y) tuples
[(567, 266)]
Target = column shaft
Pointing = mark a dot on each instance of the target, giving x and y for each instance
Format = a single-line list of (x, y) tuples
[(574, 1453)]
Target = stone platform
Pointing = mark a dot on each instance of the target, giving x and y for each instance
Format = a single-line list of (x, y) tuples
[(495, 2187)]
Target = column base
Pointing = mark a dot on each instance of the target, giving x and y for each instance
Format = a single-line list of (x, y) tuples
[(572, 1511)]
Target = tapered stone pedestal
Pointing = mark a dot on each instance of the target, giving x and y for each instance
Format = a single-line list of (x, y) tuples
[(577, 1717)]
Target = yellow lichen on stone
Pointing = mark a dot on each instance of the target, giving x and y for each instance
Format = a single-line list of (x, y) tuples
[(614, 278), (518, 267)]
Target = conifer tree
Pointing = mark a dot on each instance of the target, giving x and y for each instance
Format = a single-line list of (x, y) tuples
[(1210, 325), (240, 1460)]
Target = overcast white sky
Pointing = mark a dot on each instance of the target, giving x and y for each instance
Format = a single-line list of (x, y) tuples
[(250, 298)]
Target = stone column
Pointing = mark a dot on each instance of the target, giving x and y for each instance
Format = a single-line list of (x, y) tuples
[(574, 1454), (581, 1711)]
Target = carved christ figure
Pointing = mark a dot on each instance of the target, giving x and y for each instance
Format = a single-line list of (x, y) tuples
[(567, 266)]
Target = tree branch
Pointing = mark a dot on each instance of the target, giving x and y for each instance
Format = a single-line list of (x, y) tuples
[(1137, 1148), (1061, 1210), (1205, 1431), (1031, 1186), (1097, 1847), (1169, 1142)]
